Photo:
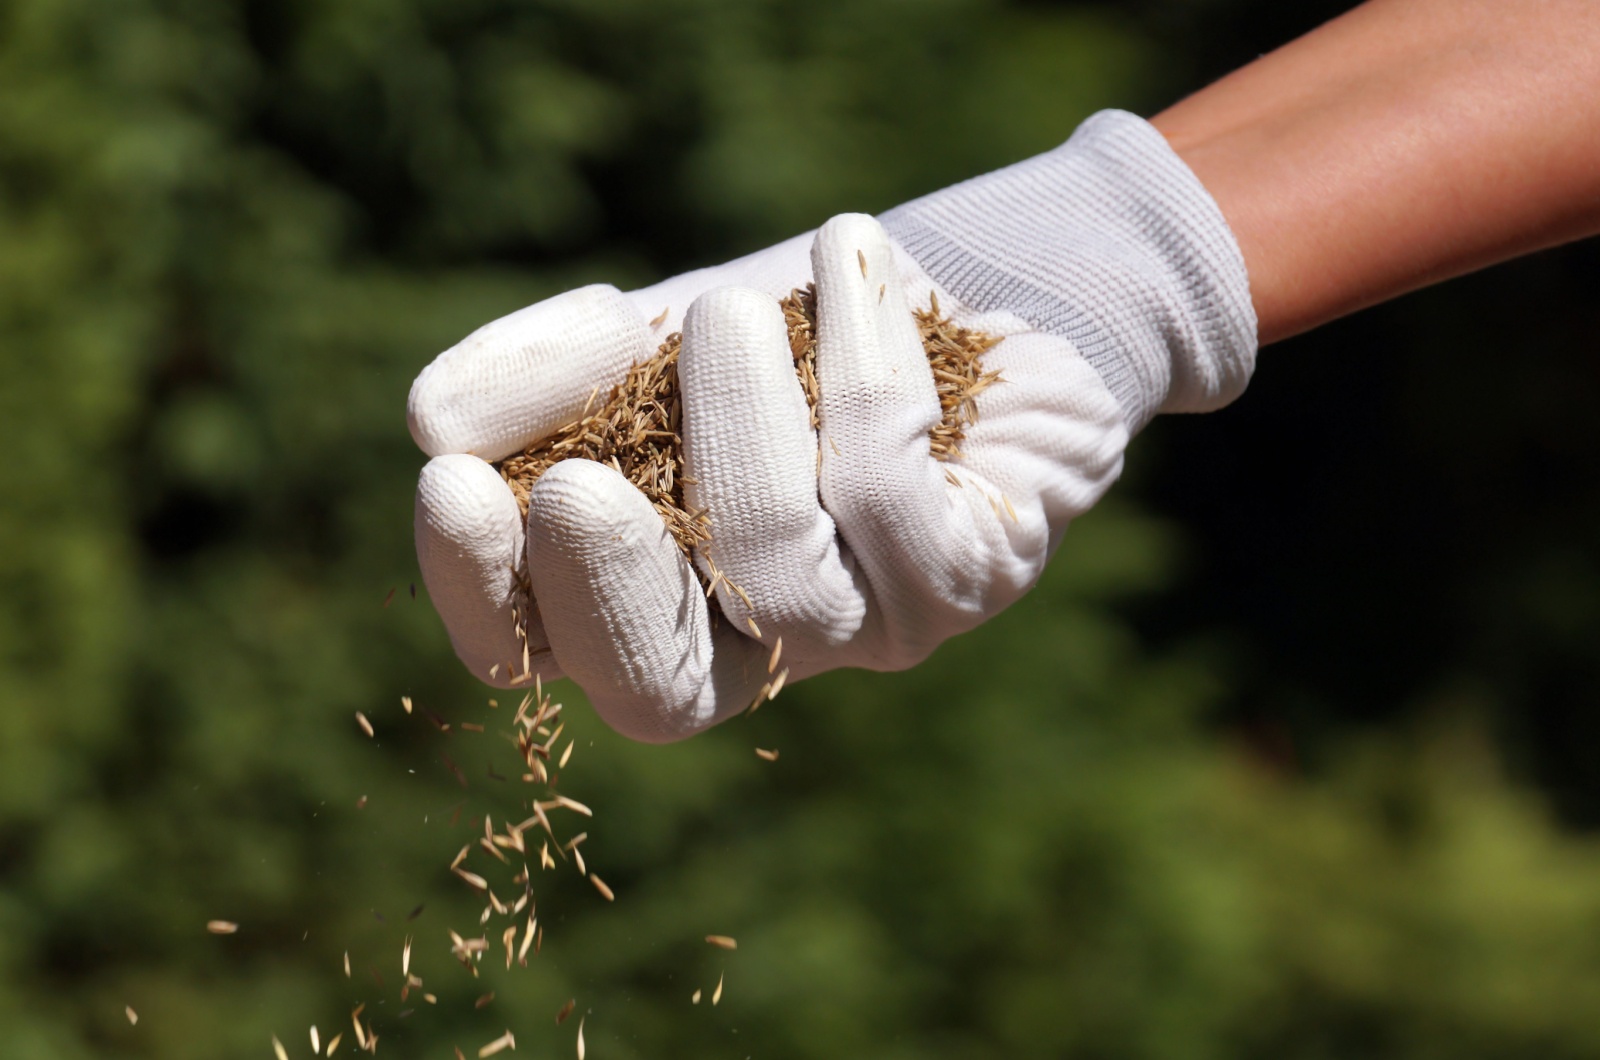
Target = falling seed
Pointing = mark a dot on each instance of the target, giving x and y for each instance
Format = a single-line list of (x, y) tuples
[(565, 755), (473, 880), (334, 1044), (694, 998), (566, 1010), (361, 803), (388, 598), (862, 258), (133, 1017), (574, 805), (493, 670), (661, 319), (527, 940), (413, 590), (882, 287), (770, 756), (277, 1048), (1010, 509), (316, 1041), (355, 1020), (221, 927), (472, 726), (777, 653), (600, 885), (405, 701), (405, 958), (484, 1001), (458, 1053), (777, 684), (366, 726), (505, 1041), (716, 995), (415, 912), (725, 942), (580, 1036), (347, 964)]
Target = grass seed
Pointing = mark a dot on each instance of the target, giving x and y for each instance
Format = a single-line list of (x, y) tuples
[(505, 1041), (638, 428)]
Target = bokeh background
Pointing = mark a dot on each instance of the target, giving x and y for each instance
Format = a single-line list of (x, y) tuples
[(1290, 755)]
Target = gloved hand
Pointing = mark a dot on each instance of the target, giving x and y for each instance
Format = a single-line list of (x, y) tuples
[(1119, 292)]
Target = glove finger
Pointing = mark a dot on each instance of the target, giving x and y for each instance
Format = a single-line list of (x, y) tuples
[(929, 548), (750, 460), (469, 535), (624, 612), (518, 378), (1050, 438)]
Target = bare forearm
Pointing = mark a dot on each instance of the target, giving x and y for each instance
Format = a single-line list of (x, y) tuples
[(1403, 143)]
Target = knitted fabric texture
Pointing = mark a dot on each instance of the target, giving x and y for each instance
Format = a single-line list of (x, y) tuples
[(1111, 242)]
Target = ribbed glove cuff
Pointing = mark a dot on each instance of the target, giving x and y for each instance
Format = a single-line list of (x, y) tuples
[(1111, 242)]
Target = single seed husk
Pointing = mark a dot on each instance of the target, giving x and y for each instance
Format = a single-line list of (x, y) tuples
[(638, 427)]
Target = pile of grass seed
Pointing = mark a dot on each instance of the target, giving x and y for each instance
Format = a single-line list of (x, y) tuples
[(637, 428)]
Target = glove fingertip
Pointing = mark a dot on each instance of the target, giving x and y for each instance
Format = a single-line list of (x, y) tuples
[(519, 377)]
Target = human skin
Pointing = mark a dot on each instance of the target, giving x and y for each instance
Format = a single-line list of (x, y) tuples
[(1403, 143)]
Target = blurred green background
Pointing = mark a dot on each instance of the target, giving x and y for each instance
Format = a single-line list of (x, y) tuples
[(1289, 756)]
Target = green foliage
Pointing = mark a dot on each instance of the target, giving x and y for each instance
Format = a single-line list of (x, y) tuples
[(230, 233)]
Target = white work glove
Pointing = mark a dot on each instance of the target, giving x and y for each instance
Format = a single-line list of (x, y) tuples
[(1119, 292)]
